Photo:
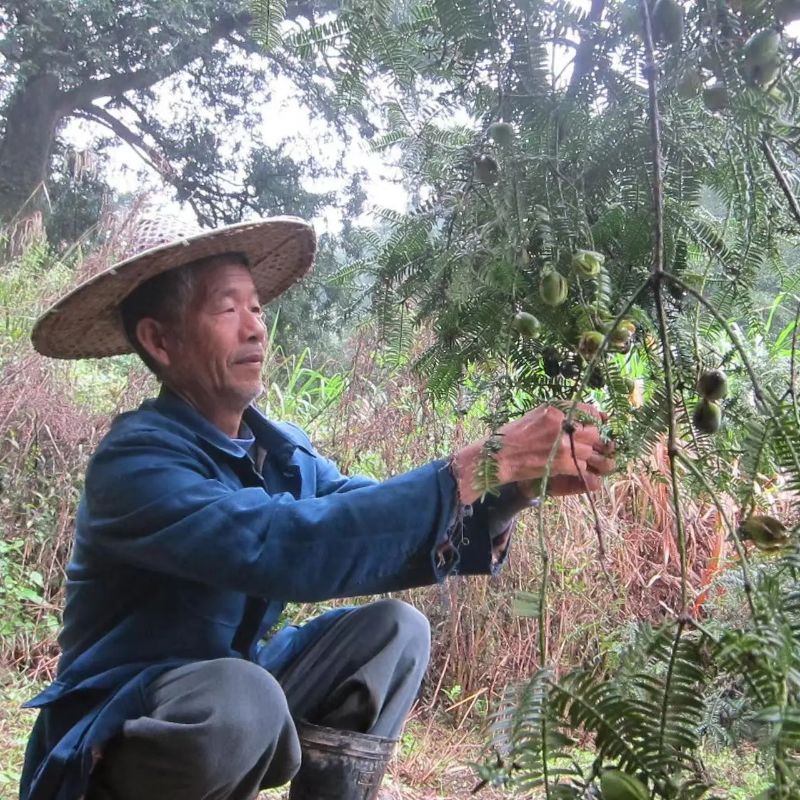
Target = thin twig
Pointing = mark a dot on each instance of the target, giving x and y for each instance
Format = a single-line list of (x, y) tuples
[(650, 72), (601, 550), (765, 399), (781, 178)]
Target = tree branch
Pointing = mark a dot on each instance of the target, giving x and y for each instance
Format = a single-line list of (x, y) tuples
[(183, 55), (781, 178), (149, 154), (584, 55)]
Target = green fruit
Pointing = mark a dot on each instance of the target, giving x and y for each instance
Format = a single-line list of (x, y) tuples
[(625, 329), (762, 47), (553, 288), (707, 417), (502, 133), (787, 11), (667, 21), (767, 533), (760, 75), (487, 170), (712, 385), (618, 785), (715, 97), (587, 263), (620, 338), (618, 343), (526, 325), (690, 84), (590, 342)]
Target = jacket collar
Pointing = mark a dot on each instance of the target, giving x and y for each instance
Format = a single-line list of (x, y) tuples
[(280, 440)]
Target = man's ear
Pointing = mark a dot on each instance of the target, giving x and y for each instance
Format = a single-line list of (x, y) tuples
[(152, 335)]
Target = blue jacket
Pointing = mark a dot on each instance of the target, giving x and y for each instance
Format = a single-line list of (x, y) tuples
[(185, 550)]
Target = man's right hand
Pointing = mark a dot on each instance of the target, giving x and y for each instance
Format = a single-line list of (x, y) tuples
[(525, 449)]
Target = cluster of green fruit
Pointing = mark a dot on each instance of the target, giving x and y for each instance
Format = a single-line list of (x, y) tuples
[(760, 65), (487, 170), (766, 533), (759, 58), (712, 386), (594, 327)]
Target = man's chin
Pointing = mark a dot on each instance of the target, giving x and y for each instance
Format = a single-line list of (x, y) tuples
[(251, 394)]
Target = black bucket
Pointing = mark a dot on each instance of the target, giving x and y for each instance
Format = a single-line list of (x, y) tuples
[(340, 765)]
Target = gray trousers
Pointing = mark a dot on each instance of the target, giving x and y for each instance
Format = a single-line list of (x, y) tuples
[(224, 729)]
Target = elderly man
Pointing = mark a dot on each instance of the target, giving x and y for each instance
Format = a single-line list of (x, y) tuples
[(201, 518)]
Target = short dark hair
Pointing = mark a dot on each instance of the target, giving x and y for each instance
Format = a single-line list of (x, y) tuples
[(166, 298)]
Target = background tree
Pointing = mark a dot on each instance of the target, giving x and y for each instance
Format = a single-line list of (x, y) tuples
[(182, 82)]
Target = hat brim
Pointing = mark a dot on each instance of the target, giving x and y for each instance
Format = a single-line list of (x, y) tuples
[(86, 323)]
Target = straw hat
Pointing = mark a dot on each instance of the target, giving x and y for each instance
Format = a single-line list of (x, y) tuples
[(86, 323)]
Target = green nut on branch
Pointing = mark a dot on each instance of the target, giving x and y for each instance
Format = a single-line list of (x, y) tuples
[(526, 325), (762, 60), (553, 288), (620, 337), (618, 785), (667, 21), (712, 385), (587, 263), (501, 133), (762, 47), (589, 343), (767, 533), (707, 417)]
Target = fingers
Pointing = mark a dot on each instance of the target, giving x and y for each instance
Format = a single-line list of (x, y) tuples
[(563, 485), (600, 465)]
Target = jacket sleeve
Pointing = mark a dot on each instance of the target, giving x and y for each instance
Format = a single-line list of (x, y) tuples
[(495, 515), (154, 500), (330, 480)]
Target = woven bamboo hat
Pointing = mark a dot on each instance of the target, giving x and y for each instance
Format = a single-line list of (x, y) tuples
[(87, 323)]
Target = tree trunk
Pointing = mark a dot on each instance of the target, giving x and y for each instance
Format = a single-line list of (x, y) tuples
[(31, 120)]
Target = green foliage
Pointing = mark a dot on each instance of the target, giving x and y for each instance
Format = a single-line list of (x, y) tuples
[(268, 15)]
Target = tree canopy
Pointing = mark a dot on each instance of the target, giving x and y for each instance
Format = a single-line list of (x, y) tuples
[(182, 82)]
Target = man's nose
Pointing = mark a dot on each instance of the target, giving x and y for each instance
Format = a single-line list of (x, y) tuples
[(255, 328)]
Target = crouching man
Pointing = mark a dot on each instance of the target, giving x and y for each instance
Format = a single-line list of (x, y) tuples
[(201, 518)]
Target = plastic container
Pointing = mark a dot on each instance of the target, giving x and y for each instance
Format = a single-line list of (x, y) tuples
[(340, 765)]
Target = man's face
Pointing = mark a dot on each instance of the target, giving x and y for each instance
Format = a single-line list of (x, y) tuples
[(217, 351)]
